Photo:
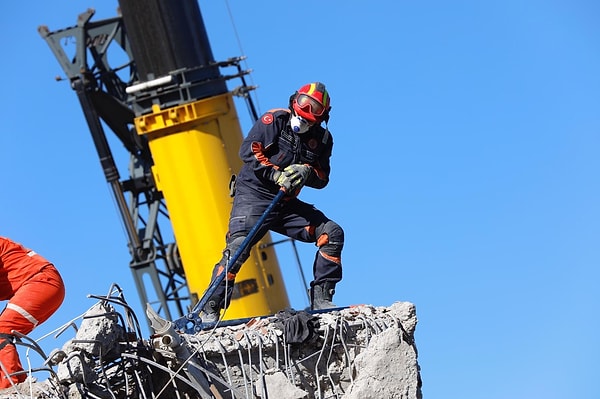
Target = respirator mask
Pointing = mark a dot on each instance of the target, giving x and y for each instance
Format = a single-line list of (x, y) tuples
[(299, 125)]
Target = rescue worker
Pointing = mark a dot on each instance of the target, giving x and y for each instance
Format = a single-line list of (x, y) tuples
[(34, 290), (285, 149)]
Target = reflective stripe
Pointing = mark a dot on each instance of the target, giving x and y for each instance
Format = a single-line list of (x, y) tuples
[(230, 276), (31, 253), (334, 259), (23, 313)]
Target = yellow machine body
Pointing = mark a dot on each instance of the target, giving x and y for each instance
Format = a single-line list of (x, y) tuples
[(195, 152)]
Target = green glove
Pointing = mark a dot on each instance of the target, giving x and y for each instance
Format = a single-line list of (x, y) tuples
[(293, 177), (281, 179), (298, 175)]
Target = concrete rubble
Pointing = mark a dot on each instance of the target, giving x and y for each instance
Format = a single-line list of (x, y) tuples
[(358, 352)]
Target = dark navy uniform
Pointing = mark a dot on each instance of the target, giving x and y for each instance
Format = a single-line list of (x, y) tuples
[(270, 146)]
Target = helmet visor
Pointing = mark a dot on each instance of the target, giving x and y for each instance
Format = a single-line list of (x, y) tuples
[(308, 104)]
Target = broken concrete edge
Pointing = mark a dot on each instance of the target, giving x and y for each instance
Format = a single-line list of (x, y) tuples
[(400, 315)]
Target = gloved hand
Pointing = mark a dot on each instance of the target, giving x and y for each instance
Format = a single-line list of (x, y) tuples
[(297, 174), (293, 177), (282, 180)]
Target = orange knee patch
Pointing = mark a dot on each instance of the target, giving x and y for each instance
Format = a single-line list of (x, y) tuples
[(230, 276), (322, 240)]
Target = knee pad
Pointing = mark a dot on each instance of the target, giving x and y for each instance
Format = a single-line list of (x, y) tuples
[(330, 238)]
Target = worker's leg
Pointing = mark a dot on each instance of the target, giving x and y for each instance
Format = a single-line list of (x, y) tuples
[(327, 267), (9, 361), (31, 305), (245, 213), (304, 222)]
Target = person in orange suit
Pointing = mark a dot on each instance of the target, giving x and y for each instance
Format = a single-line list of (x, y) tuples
[(34, 290)]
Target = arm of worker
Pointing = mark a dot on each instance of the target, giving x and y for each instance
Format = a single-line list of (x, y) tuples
[(319, 178), (256, 149)]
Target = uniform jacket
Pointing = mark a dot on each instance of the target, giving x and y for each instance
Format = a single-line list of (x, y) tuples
[(271, 145), (17, 265)]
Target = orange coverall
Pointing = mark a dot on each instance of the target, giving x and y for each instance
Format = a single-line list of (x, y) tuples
[(34, 290)]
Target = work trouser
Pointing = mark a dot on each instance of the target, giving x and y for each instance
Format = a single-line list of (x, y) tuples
[(292, 218), (33, 303)]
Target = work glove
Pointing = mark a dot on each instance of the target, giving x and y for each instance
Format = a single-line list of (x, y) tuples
[(298, 175), (293, 177), (282, 180)]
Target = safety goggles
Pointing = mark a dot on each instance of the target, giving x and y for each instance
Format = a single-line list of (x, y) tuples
[(308, 104)]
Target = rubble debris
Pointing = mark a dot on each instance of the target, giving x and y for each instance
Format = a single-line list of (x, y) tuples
[(347, 353)]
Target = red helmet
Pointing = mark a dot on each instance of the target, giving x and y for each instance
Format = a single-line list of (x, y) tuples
[(311, 102)]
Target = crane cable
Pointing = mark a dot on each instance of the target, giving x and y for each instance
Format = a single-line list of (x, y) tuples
[(239, 42)]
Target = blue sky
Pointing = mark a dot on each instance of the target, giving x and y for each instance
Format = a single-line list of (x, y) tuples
[(465, 171)]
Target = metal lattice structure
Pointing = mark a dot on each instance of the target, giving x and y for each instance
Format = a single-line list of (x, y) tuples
[(83, 53)]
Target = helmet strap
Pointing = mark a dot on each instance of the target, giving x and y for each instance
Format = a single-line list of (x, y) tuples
[(292, 97)]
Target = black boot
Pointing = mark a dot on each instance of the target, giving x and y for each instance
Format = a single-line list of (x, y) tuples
[(212, 310), (321, 296), (219, 300)]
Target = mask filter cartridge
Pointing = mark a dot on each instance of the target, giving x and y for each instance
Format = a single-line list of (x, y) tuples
[(299, 125)]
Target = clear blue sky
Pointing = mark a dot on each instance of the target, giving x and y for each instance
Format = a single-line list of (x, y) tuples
[(465, 171)]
